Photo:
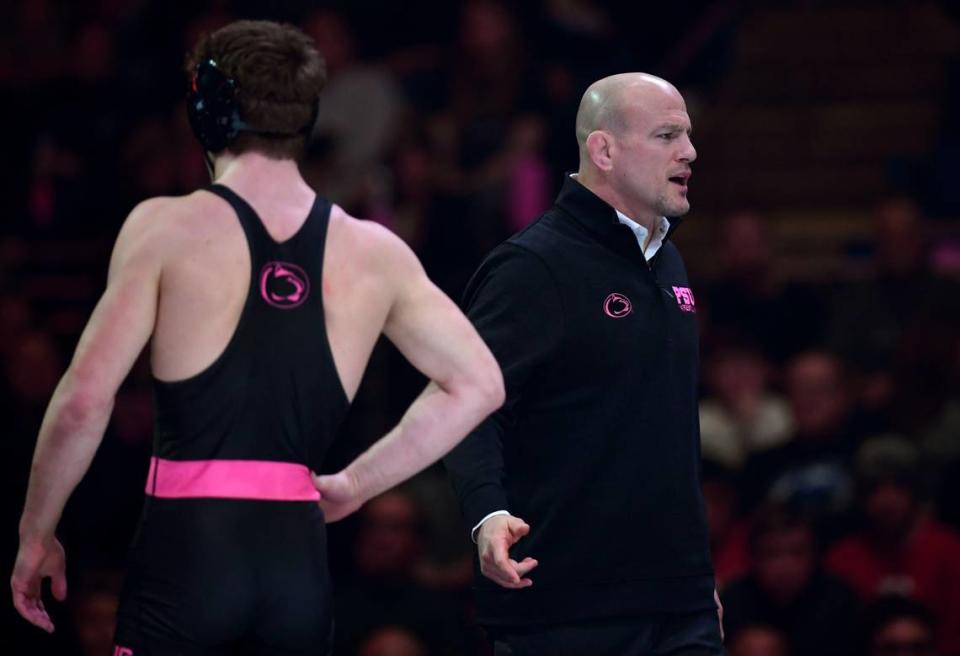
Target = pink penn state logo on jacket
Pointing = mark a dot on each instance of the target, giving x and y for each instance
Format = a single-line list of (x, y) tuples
[(284, 285), (685, 299), (617, 306)]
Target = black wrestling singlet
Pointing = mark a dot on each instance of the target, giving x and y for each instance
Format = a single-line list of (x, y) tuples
[(231, 548)]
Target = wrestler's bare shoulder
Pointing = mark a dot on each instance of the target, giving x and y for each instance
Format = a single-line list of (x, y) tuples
[(175, 220), (370, 245)]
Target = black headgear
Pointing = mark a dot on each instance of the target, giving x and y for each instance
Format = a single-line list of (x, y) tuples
[(214, 111)]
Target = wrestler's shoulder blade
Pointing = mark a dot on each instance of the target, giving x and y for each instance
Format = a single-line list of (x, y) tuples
[(167, 222), (371, 249)]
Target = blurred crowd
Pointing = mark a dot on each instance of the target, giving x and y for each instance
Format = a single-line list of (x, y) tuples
[(830, 410)]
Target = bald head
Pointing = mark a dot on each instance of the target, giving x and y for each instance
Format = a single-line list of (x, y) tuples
[(635, 147), (605, 103)]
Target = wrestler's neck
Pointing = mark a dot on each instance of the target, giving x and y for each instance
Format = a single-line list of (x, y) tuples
[(252, 172), (606, 192)]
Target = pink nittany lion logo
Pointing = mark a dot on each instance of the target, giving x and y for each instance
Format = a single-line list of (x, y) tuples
[(122, 651), (617, 306), (284, 285)]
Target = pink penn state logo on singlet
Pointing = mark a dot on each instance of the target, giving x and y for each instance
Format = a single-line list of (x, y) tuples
[(617, 306), (284, 285)]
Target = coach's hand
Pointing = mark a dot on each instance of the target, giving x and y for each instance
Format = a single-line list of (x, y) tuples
[(716, 599), (36, 561), (494, 539), (339, 496)]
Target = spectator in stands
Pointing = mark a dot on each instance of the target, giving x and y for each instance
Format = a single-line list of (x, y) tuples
[(91, 125), (149, 167), (895, 327), (93, 611), (741, 415), (811, 469), (413, 203), (751, 301), (728, 530), (359, 114), (941, 446), (17, 319), (160, 157), (36, 27), (787, 589), (757, 640), (391, 641), (32, 370), (54, 187), (901, 549), (385, 591), (446, 562), (898, 626), (488, 139)]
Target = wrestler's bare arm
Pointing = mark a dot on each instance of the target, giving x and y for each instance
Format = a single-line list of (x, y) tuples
[(466, 385), (80, 408)]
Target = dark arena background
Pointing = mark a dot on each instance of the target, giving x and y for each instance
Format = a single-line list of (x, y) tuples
[(823, 245)]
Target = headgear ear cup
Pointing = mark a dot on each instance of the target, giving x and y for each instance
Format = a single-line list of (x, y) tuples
[(212, 107), (214, 111)]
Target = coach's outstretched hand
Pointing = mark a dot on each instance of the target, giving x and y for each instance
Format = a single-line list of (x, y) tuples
[(494, 539), (339, 495), (35, 562)]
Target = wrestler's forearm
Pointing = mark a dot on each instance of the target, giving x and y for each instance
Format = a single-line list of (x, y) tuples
[(71, 431), (436, 421)]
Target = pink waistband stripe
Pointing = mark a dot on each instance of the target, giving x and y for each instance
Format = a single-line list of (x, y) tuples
[(230, 479)]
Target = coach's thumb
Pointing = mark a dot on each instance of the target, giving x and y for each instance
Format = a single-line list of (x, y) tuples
[(518, 528), (58, 586)]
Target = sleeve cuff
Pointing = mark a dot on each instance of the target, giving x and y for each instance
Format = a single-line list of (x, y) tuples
[(473, 531)]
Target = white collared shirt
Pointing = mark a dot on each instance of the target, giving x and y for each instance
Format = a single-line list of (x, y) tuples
[(656, 241), (663, 226)]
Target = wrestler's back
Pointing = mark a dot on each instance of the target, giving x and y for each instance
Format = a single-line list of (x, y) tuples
[(206, 277)]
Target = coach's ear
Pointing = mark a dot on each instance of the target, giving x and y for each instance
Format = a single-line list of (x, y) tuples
[(600, 147)]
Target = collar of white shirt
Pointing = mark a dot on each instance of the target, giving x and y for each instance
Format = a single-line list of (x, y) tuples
[(656, 241)]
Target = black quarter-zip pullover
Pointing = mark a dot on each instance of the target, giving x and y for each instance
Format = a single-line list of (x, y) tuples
[(597, 446)]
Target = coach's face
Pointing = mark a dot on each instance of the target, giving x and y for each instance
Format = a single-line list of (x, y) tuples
[(653, 151)]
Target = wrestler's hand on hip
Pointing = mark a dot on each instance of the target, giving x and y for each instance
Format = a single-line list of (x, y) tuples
[(494, 539), (338, 495), (37, 560)]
